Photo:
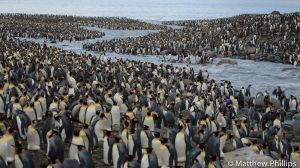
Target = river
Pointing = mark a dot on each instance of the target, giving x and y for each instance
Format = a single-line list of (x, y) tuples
[(264, 76)]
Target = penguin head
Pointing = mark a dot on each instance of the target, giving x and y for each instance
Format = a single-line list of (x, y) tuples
[(201, 146), (156, 134), (264, 146), (55, 100), (56, 117), (18, 146), (164, 140), (296, 149), (52, 160), (107, 133), (149, 150), (231, 136), (180, 127), (118, 139), (283, 156), (216, 133), (130, 158), (132, 131), (49, 113), (85, 103), (224, 129), (17, 100), (10, 130), (76, 132), (80, 147), (126, 124), (53, 132), (85, 126), (212, 158), (102, 115), (148, 113), (145, 127)]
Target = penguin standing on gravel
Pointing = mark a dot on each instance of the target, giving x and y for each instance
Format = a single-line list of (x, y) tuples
[(22, 159), (149, 159), (38, 108), (181, 145), (146, 137), (55, 148), (76, 140), (119, 152), (33, 139), (85, 158), (108, 142), (8, 141), (100, 128)]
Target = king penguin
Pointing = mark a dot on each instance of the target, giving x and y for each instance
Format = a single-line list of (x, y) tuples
[(22, 159), (181, 145), (108, 142), (33, 139), (84, 157), (9, 142), (118, 152), (146, 137), (149, 159), (76, 140), (55, 148)]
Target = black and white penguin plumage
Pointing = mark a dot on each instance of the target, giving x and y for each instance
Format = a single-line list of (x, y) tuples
[(33, 138), (55, 148), (131, 162), (108, 142), (22, 159), (22, 121), (146, 137), (119, 152), (181, 145), (76, 141), (84, 157), (149, 159), (248, 91)]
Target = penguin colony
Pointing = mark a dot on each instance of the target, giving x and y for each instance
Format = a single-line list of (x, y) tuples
[(66, 106), (269, 37), (63, 27)]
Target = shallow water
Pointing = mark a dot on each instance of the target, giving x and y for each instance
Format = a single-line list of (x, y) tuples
[(150, 9), (264, 76), (76, 46)]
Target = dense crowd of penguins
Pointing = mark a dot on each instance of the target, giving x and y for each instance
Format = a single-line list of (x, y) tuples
[(271, 37), (141, 114), (63, 27)]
